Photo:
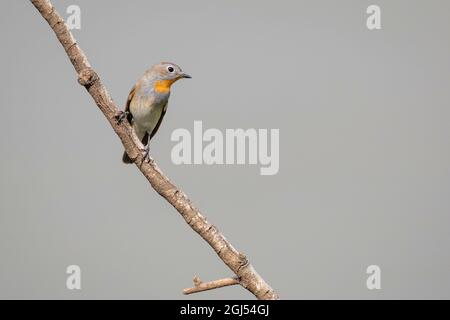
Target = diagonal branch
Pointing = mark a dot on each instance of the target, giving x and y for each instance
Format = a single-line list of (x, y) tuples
[(200, 286), (88, 78)]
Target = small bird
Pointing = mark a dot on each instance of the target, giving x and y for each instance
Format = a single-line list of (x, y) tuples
[(147, 102)]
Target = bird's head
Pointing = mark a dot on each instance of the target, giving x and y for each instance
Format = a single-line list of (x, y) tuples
[(165, 74)]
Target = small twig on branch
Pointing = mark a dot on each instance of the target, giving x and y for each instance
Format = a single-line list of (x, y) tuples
[(87, 77), (203, 286)]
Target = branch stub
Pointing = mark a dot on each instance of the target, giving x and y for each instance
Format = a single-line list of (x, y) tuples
[(87, 77)]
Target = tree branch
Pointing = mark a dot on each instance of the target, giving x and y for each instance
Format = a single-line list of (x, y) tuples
[(88, 78), (203, 286)]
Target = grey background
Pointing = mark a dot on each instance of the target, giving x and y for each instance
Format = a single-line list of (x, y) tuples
[(364, 149)]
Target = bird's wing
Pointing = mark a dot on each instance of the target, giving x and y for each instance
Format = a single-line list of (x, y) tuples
[(163, 112), (145, 139), (130, 116), (127, 106)]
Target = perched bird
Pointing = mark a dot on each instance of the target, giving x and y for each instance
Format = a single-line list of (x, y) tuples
[(147, 102)]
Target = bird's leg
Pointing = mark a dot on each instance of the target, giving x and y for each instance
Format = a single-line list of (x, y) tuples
[(145, 154), (121, 115)]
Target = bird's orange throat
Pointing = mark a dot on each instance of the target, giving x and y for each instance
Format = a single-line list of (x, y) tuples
[(163, 86)]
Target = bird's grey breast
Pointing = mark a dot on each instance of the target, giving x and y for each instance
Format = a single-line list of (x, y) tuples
[(147, 108)]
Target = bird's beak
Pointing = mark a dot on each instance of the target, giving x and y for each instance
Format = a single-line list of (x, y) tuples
[(185, 75)]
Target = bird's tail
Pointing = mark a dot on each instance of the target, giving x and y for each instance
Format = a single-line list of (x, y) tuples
[(126, 158)]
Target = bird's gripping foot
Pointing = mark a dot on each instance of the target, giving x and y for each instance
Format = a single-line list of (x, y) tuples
[(121, 115), (145, 154)]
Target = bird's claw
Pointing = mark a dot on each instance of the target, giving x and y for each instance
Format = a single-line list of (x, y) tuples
[(121, 115), (145, 155)]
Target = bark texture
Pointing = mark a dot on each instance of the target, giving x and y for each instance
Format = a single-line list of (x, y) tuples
[(200, 286), (87, 77)]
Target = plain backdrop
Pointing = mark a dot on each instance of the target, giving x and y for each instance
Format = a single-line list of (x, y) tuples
[(364, 149)]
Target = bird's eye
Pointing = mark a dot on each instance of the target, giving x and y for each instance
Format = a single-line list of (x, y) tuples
[(170, 69)]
